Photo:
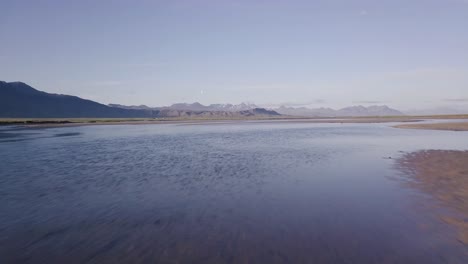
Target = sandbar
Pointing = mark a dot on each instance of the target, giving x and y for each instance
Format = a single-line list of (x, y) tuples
[(451, 126), (444, 175)]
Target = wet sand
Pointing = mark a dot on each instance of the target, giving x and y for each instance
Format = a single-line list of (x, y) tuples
[(444, 175), (452, 126), (72, 122), (46, 123)]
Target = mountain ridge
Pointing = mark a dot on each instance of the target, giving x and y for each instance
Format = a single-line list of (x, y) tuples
[(196, 106), (19, 100), (350, 111)]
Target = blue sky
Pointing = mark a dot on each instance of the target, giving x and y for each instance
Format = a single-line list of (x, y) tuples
[(406, 54)]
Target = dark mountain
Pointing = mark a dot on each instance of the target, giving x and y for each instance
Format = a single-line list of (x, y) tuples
[(18, 100)]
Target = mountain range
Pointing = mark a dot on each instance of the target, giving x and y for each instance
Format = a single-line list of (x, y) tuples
[(195, 107), (351, 111), (19, 100)]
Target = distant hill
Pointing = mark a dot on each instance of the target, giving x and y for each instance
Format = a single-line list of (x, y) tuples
[(19, 100), (199, 110), (356, 111)]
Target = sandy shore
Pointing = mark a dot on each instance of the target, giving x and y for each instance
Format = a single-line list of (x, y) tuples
[(444, 175), (116, 121), (452, 126), (413, 121)]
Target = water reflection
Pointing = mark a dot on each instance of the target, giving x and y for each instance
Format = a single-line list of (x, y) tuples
[(230, 193)]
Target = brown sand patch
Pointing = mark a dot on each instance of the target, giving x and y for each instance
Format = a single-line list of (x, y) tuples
[(444, 175), (459, 126)]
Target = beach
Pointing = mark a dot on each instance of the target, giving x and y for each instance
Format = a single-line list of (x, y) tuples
[(451, 126), (443, 174), (72, 122)]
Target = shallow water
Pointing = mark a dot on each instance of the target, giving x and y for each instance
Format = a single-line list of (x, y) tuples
[(240, 192)]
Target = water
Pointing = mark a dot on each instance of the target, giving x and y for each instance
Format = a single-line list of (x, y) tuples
[(238, 192)]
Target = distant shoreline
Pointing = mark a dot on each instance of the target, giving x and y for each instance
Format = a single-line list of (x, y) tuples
[(67, 122), (71, 122), (452, 126)]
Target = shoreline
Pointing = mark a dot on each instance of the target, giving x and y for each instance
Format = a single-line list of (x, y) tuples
[(443, 174), (452, 126), (42, 123), (413, 122)]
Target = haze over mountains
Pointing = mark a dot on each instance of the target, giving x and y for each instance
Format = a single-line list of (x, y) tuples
[(196, 107), (290, 111), (359, 110), (19, 100)]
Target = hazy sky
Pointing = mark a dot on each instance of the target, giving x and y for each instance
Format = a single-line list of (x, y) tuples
[(404, 53)]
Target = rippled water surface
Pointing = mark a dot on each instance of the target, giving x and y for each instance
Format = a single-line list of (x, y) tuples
[(218, 193)]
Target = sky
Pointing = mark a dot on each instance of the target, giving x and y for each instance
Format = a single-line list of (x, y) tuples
[(408, 54)]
